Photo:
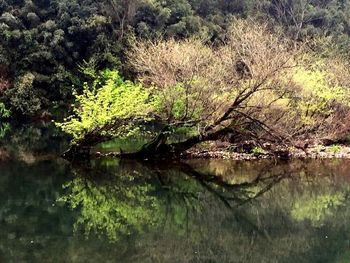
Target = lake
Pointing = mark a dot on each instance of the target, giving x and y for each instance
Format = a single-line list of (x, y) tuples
[(110, 210)]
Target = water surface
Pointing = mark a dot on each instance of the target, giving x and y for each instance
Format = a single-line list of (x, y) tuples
[(111, 210)]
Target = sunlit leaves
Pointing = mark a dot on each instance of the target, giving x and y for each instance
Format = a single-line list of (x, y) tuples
[(115, 100), (318, 93)]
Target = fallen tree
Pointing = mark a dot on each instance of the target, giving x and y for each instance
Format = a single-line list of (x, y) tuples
[(249, 88)]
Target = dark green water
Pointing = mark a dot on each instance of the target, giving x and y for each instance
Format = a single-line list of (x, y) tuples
[(200, 211)]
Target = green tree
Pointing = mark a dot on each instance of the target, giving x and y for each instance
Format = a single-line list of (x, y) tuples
[(48, 39)]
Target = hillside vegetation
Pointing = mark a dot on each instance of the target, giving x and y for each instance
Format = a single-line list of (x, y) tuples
[(249, 70)]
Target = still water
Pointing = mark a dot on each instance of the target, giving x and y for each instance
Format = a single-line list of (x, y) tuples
[(110, 210)]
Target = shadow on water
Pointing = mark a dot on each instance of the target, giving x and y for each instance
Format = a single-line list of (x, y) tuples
[(112, 210), (185, 212), (30, 143)]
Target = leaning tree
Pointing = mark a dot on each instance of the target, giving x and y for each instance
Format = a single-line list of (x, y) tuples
[(245, 88)]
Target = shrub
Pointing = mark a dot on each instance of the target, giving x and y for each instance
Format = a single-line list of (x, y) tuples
[(335, 149), (109, 100), (258, 151)]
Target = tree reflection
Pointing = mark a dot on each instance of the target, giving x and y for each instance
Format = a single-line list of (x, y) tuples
[(176, 213), (4, 128), (115, 207), (130, 198), (31, 143), (317, 208)]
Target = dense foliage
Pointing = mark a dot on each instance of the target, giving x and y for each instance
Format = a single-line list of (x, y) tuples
[(43, 43), (109, 101), (255, 86), (259, 70)]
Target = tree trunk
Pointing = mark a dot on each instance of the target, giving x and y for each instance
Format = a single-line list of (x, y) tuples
[(77, 152), (156, 149)]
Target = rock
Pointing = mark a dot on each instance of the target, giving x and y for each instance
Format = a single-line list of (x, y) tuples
[(282, 154), (244, 147)]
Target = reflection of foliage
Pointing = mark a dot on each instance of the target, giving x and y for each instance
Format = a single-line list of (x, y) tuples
[(31, 143), (4, 128), (166, 212), (27, 195), (172, 213), (317, 209), (115, 209), (4, 113), (128, 201)]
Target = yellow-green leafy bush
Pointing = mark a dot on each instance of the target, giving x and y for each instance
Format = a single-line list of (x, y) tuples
[(319, 91), (111, 100)]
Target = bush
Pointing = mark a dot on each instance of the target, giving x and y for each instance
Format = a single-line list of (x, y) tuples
[(109, 100), (335, 149), (257, 151)]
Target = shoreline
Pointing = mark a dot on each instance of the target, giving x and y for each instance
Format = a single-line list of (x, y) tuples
[(224, 153), (314, 152)]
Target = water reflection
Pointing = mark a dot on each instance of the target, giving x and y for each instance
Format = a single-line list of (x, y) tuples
[(31, 143), (220, 211), (185, 212)]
